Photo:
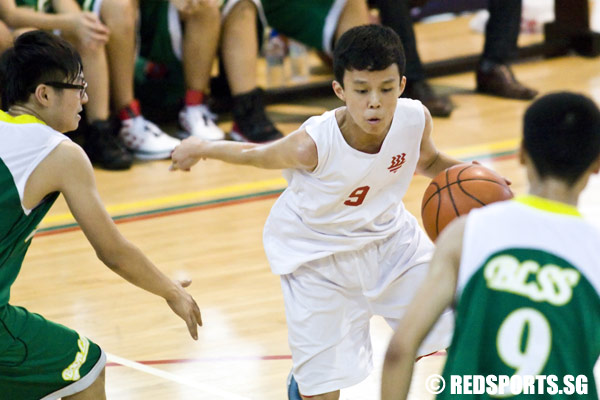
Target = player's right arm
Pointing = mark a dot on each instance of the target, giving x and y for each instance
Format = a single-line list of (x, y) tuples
[(297, 150), (68, 170), (433, 297)]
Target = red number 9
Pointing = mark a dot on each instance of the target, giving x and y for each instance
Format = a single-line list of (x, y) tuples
[(357, 196)]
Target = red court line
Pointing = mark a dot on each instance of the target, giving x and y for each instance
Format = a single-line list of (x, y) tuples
[(226, 359), (207, 359), (167, 213)]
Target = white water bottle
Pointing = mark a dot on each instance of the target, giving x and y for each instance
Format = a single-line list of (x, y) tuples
[(298, 61), (274, 52)]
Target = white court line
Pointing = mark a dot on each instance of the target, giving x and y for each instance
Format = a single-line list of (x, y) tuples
[(172, 377)]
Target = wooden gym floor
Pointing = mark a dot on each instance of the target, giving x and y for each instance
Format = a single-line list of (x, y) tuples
[(207, 225)]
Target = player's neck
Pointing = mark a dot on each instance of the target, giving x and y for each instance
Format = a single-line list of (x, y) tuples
[(23, 109), (555, 190), (357, 138)]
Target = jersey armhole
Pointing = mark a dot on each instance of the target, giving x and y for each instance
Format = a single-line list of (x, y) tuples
[(320, 155), (50, 145)]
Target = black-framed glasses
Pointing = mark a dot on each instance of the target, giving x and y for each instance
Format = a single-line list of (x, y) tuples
[(64, 85)]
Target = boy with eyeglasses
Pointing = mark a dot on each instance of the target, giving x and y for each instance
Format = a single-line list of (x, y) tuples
[(43, 92)]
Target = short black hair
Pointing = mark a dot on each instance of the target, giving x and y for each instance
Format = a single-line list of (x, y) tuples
[(35, 58), (367, 47), (561, 134)]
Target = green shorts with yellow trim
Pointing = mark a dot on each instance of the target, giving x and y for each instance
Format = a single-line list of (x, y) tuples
[(312, 22), (40, 359)]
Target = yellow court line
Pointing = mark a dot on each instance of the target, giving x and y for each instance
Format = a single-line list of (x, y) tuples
[(257, 186), (237, 189), (484, 149)]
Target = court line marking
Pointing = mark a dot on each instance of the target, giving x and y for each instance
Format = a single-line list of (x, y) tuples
[(156, 213), (65, 222), (248, 187), (228, 359), (174, 378)]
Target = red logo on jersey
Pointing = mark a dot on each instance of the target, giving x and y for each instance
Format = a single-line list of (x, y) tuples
[(397, 162)]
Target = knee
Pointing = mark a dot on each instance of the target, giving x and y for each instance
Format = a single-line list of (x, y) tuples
[(243, 9), (203, 14), (118, 15)]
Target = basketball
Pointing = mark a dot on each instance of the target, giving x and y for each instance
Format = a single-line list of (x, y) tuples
[(456, 191)]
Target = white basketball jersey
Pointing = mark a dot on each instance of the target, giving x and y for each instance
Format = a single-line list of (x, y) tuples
[(351, 198)]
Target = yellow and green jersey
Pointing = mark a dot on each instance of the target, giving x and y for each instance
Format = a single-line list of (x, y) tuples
[(528, 298), (26, 141)]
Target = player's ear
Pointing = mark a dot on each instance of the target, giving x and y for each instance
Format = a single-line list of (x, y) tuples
[(338, 89), (402, 85), (42, 94)]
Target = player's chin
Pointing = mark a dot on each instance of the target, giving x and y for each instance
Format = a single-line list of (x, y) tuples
[(374, 128), (73, 125)]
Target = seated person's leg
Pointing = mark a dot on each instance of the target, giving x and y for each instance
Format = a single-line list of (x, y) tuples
[(6, 38), (146, 140), (396, 15), (200, 41), (100, 141), (240, 51), (502, 32), (355, 13)]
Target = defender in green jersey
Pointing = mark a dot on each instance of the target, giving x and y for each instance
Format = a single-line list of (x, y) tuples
[(43, 90), (523, 274)]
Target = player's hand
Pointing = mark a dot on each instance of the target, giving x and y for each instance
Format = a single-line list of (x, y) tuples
[(184, 305), (88, 29), (188, 153), (508, 181)]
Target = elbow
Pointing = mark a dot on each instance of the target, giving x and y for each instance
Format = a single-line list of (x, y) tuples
[(115, 256), (109, 259)]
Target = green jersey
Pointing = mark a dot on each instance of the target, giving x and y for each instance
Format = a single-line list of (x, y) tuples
[(25, 143), (528, 299), (39, 359)]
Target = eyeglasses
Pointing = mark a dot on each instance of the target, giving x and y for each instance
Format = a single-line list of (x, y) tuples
[(64, 85)]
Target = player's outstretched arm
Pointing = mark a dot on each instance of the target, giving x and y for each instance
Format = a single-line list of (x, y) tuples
[(68, 170), (431, 160), (296, 150), (434, 296)]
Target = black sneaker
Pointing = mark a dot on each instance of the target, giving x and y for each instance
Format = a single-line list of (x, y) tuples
[(250, 122), (104, 148)]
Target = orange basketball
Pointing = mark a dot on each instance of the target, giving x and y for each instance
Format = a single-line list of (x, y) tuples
[(456, 191)]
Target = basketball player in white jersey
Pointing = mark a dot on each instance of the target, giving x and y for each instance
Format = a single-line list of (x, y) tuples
[(43, 90), (523, 273), (339, 235)]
